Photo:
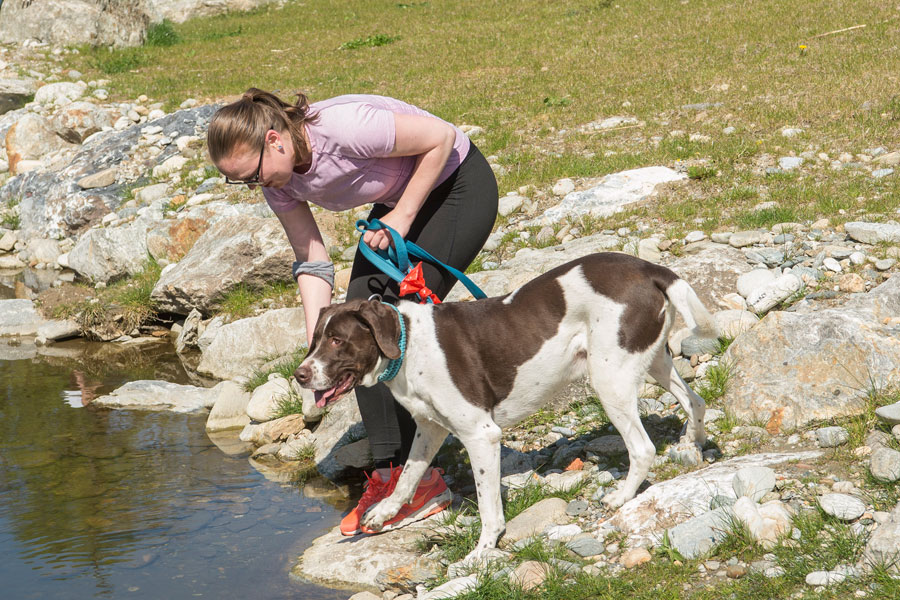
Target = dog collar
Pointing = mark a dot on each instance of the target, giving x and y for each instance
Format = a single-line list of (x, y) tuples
[(394, 364)]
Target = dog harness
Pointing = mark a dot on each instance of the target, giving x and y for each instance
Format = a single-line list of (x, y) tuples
[(394, 363)]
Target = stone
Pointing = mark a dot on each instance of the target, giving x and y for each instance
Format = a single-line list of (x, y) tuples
[(789, 163), (753, 482), (59, 94), (230, 408), (79, 120), (510, 204), (883, 547), (277, 430), (103, 255), (634, 557), (873, 233), (700, 534), (842, 506), (852, 283), (885, 464), (648, 249), (831, 437), (530, 574), (454, 587), (766, 523), (236, 250), (741, 239), (31, 138), (100, 179), (14, 93), (58, 330), (753, 280), (586, 547), (771, 294), (244, 345), (19, 317), (824, 578), (889, 414), (693, 345), (612, 194), (732, 323), (160, 395), (535, 519), (563, 187), (73, 22), (265, 399)]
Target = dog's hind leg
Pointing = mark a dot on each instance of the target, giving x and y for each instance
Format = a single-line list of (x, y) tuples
[(618, 395), (664, 372), (428, 440)]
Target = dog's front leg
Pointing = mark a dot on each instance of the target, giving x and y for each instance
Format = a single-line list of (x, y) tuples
[(482, 442), (428, 440)]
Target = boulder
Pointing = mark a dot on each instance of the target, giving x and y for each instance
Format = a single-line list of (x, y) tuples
[(230, 409), (265, 399), (59, 94), (15, 93), (799, 367), (242, 346), (242, 250), (31, 138), (76, 121), (161, 395), (109, 253), (74, 22)]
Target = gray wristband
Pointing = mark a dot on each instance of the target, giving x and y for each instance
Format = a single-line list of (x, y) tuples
[(317, 268)]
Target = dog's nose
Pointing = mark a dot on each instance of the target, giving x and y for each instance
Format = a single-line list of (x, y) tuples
[(303, 374)]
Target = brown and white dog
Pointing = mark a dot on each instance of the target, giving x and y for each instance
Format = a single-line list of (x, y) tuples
[(472, 368)]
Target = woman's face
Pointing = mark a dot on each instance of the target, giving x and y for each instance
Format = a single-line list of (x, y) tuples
[(270, 165)]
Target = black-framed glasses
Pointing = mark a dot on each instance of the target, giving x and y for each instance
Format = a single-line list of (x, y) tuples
[(254, 179)]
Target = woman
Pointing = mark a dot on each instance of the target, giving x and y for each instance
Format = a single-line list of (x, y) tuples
[(426, 180)]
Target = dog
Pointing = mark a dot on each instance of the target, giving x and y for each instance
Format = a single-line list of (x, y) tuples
[(473, 368)]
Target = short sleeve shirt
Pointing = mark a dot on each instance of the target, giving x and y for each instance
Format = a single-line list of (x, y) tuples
[(350, 138)]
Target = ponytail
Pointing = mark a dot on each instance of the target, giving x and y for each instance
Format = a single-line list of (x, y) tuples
[(246, 121)]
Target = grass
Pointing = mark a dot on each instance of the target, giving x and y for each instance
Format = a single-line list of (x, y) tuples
[(285, 368), (242, 300), (715, 384)]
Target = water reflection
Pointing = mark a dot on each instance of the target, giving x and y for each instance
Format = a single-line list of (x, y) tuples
[(106, 504)]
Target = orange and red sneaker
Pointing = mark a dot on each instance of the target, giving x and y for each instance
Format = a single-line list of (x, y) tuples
[(377, 490), (431, 497)]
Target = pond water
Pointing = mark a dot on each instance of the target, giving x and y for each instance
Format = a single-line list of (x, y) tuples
[(98, 503)]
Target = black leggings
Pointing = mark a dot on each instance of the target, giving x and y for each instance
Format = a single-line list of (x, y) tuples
[(453, 225)]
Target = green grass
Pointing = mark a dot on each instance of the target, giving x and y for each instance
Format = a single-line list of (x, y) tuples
[(285, 368), (715, 383), (372, 41), (242, 300)]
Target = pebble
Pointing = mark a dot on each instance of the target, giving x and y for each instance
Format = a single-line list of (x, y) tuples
[(842, 506), (885, 464), (586, 546), (789, 163), (831, 437), (635, 557), (823, 578), (832, 265)]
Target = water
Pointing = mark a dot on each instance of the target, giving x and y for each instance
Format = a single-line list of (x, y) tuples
[(97, 503)]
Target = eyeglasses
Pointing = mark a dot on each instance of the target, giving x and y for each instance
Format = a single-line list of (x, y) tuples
[(254, 179)]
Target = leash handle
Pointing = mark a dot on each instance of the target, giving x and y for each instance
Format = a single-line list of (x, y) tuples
[(394, 262)]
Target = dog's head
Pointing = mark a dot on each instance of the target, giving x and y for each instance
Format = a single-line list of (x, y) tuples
[(350, 346)]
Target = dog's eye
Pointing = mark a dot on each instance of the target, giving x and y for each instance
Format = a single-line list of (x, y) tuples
[(336, 341)]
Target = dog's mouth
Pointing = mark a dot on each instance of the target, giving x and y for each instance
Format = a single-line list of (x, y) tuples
[(325, 397)]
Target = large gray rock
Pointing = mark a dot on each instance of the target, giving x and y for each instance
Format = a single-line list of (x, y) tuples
[(19, 317), (645, 518), (14, 93), (535, 519), (238, 250), (54, 205), (59, 94), (31, 138), (244, 345), (161, 395), (179, 11), (614, 192), (230, 409), (73, 22), (698, 535), (105, 254), (872, 233), (883, 547), (795, 367)]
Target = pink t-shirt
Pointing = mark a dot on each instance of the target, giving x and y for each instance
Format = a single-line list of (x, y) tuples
[(350, 140)]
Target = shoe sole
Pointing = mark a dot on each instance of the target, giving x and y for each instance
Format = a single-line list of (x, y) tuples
[(434, 506)]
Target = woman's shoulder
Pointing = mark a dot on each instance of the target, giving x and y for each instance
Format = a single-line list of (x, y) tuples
[(359, 102)]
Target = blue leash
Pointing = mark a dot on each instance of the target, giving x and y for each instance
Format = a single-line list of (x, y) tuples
[(394, 262)]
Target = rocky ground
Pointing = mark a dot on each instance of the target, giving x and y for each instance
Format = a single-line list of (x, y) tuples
[(115, 228)]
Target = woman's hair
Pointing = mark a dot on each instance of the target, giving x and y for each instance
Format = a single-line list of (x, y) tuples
[(247, 120)]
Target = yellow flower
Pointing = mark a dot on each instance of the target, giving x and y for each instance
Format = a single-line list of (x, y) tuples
[(803, 46)]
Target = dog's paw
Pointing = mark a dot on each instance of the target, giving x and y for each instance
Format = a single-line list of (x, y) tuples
[(378, 515), (614, 500)]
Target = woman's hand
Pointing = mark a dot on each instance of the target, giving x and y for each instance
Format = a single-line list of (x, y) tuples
[(381, 239)]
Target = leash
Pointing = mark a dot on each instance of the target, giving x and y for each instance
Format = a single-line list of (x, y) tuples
[(394, 262)]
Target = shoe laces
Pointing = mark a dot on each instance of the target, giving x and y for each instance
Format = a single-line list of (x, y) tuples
[(376, 489)]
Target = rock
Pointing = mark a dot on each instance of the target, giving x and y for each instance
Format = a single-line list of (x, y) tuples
[(693, 345), (100, 179), (644, 518), (873, 233), (73, 22), (824, 578), (770, 295), (14, 93), (889, 414), (586, 547), (43, 250), (59, 94), (712, 269), (635, 557), (182, 10), (190, 332), (755, 279), (243, 345), (510, 204), (277, 430), (789, 163), (530, 574), (19, 317), (744, 238), (356, 455), (612, 194), (831, 437), (842, 506), (265, 399), (58, 330), (563, 187), (732, 323), (700, 534), (236, 250), (566, 480), (341, 425), (451, 589), (753, 482), (648, 249), (103, 255), (230, 409), (31, 138), (79, 120), (803, 367), (173, 164), (852, 283), (885, 464), (766, 523), (883, 546), (8, 241), (535, 519), (160, 395)]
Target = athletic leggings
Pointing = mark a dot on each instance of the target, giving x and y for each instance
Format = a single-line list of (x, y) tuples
[(452, 225)]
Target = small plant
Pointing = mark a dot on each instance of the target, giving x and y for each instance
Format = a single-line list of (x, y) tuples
[(112, 62), (715, 384), (371, 42), (11, 221), (162, 35), (701, 172), (290, 404), (556, 101)]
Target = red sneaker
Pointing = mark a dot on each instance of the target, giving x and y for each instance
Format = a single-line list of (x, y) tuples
[(431, 497), (376, 490)]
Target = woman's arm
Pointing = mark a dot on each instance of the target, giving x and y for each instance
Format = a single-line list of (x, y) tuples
[(431, 141), (306, 240)]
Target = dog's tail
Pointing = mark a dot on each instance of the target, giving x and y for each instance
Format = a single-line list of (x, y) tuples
[(691, 309)]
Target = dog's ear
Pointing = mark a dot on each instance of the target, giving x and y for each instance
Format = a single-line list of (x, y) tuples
[(384, 323)]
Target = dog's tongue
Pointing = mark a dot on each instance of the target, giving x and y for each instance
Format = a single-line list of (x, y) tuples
[(323, 397)]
